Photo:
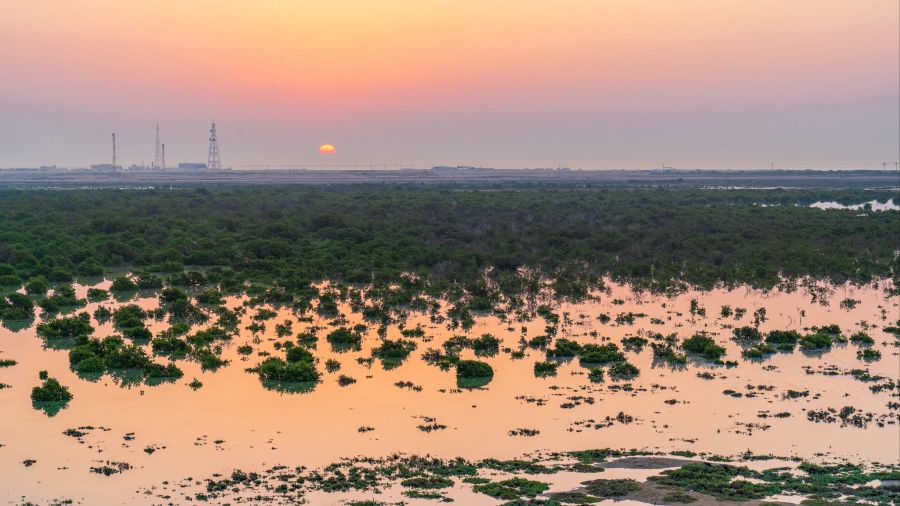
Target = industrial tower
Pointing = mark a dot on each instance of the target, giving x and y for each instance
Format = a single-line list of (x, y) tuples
[(214, 162), (157, 158)]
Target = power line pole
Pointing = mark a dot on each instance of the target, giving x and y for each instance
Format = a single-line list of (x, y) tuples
[(213, 162), (157, 157)]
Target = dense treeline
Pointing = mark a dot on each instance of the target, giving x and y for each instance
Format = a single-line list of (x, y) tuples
[(448, 235)]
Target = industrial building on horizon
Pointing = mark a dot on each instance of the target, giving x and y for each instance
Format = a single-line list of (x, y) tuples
[(213, 162)]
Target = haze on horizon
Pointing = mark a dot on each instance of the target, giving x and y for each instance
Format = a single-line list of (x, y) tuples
[(579, 83)]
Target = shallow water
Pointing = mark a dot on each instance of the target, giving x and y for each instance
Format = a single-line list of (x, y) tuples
[(234, 422), (874, 205)]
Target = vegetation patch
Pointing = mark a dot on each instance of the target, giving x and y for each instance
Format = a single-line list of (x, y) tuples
[(512, 489), (50, 397)]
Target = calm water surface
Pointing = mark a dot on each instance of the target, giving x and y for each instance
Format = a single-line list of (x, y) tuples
[(234, 422)]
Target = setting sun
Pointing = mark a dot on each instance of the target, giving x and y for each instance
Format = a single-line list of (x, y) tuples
[(327, 149)]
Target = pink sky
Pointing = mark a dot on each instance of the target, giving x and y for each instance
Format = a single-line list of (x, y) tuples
[(583, 83)]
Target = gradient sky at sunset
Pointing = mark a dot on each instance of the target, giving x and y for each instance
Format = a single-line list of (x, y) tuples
[(582, 83)]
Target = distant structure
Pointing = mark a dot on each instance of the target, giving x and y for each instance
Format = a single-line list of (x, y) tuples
[(104, 167), (114, 152), (460, 168), (163, 165), (157, 157), (192, 166), (213, 162)]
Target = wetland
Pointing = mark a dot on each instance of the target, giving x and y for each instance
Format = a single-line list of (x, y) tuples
[(338, 345)]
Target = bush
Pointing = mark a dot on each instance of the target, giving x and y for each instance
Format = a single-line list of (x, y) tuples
[(817, 341), (298, 354), (37, 286), (16, 307), (512, 489), (427, 482), (96, 294), (564, 348), (50, 391), (123, 284), (747, 333), (545, 369), (783, 338), (125, 356), (170, 345), (760, 350), (209, 336), (159, 371), (394, 350), (10, 281), (277, 370), (65, 328), (486, 345), (600, 354), (624, 370), (862, 339), (473, 369), (208, 360), (665, 352), (89, 365), (704, 345), (868, 355), (343, 336)]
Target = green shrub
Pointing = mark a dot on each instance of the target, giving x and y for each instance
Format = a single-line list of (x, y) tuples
[(65, 328), (817, 341), (783, 338), (600, 354), (16, 306), (623, 370), (473, 369), (704, 345), (89, 365), (50, 391), (123, 284), (299, 354), (564, 348), (545, 369), (342, 337), (277, 370), (394, 350), (512, 489), (37, 286), (862, 339), (746, 334), (486, 345), (159, 371)]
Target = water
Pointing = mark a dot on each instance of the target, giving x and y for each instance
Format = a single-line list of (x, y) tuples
[(234, 422), (874, 205)]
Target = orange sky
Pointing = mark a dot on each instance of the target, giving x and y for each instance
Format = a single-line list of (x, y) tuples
[(577, 82)]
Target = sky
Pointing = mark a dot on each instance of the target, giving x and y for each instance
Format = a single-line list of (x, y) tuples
[(501, 83)]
